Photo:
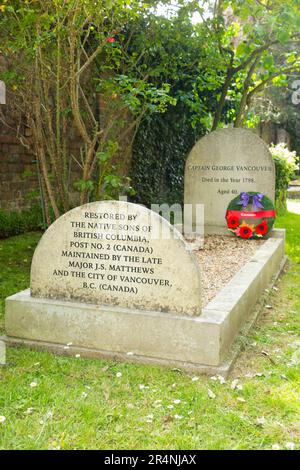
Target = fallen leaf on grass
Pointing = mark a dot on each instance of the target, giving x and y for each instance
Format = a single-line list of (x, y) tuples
[(167, 419), (241, 399)]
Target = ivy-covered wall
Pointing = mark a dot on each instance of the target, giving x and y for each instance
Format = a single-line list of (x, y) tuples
[(159, 153)]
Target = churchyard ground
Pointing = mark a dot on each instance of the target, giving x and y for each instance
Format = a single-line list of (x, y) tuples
[(52, 402)]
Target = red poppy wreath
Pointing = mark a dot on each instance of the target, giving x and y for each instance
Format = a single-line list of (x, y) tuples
[(250, 215)]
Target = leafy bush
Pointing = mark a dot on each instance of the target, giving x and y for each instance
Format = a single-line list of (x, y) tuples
[(15, 223), (285, 165)]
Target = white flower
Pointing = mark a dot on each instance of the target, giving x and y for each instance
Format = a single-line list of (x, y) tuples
[(119, 374), (261, 421), (84, 395), (178, 416), (221, 379), (29, 411), (77, 355), (142, 387), (170, 407), (2, 419), (290, 445), (33, 384), (211, 394), (234, 384), (214, 378), (276, 447), (176, 402), (194, 379), (130, 353)]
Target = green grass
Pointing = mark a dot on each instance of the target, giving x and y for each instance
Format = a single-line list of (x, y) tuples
[(83, 404)]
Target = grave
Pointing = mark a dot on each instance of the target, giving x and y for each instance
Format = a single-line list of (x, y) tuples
[(220, 166), (115, 280)]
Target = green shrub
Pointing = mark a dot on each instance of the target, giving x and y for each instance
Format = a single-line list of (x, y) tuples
[(15, 223), (285, 165)]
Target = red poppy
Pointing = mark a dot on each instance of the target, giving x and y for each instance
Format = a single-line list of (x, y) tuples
[(110, 40), (232, 222), (262, 228), (245, 231)]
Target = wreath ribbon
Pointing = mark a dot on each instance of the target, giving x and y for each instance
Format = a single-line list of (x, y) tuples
[(256, 200), (251, 215)]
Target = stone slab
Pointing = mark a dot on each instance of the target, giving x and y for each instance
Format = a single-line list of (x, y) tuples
[(220, 166), (2, 353), (2, 92), (119, 254), (200, 343)]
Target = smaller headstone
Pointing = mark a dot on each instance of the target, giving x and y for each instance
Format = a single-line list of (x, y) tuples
[(2, 353), (2, 92), (222, 165)]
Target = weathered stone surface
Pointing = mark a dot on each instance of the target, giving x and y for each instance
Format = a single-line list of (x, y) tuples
[(223, 164), (2, 92), (2, 353), (120, 254)]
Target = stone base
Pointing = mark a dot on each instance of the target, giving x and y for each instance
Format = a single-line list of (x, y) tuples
[(201, 344)]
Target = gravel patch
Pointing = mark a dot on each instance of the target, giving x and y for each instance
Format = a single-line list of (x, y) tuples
[(220, 259)]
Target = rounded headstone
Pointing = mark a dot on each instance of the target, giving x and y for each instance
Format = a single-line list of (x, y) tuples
[(119, 254), (223, 164)]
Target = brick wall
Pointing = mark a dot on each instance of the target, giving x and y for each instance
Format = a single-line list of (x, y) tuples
[(18, 173)]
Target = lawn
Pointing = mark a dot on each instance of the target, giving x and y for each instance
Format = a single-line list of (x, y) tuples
[(52, 402)]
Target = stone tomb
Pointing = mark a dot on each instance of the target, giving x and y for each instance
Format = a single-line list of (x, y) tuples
[(220, 166), (114, 279)]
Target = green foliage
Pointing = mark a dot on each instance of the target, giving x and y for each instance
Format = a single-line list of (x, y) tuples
[(15, 223), (285, 166), (159, 153)]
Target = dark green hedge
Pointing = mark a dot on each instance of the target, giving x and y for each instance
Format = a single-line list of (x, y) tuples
[(15, 223), (159, 155)]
